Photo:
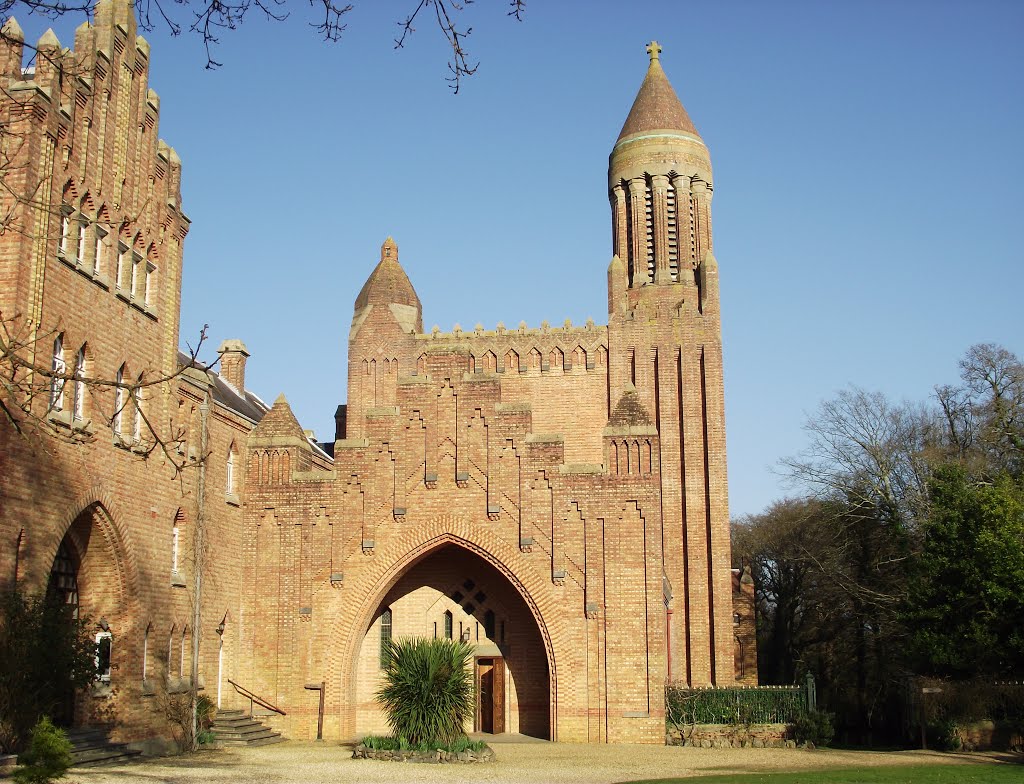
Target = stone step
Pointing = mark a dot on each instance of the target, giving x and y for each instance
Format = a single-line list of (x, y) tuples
[(248, 734), (244, 721), (238, 728), (274, 737), (104, 755), (91, 746)]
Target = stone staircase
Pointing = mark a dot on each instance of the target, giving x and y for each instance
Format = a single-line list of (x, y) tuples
[(91, 746), (237, 728)]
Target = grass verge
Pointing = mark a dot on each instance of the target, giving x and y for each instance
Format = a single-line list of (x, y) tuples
[(982, 773)]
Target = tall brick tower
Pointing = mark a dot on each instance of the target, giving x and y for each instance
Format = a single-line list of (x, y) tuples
[(665, 340)]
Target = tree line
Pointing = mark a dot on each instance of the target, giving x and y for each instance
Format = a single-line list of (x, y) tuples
[(904, 556)]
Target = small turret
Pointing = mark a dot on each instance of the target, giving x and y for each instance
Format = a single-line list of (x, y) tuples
[(12, 44), (48, 57)]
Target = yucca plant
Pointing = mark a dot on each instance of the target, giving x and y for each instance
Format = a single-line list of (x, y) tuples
[(427, 694)]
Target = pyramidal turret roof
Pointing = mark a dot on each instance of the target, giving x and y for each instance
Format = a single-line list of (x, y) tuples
[(279, 421), (388, 284), (629, 411), (656, 106)]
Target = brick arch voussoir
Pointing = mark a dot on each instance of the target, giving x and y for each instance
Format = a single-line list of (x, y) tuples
[(111, 523), (396, 557)]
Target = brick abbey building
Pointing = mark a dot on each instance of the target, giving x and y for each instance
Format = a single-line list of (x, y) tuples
[(555, 496)]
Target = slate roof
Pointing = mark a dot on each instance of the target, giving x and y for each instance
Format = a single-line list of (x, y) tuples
[(242, 402)]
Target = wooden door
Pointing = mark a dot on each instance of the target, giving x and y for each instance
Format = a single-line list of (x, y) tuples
[(485, 706), (498, 696)]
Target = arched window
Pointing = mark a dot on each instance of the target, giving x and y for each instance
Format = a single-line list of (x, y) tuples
[(145, 653), (229, 484), (170, 647), (448, 630), (137, 410), (80, 227), (65, 228), (119, 271), (119, 400), (184, 647), (149, 282), (489, 624), (104, 641), (59, 368), (100, 243), (78, 408), (176, 530), (385, 637), (63, 583)]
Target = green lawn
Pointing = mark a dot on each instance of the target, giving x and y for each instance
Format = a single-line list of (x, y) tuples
[(981, 773)]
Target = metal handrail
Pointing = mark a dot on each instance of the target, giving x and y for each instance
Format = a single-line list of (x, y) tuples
[(255, 698)]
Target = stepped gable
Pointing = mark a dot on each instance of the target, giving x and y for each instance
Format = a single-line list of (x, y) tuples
[(629, 411), (657, 107), (279, 421), (388, 284)]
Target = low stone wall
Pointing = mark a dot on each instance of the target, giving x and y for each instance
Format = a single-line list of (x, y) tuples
[(7, 763), (436, 756), (719, 736)]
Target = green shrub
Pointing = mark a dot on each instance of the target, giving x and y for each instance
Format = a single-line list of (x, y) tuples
[(944, 735), (817, 727), (56, 654), (738, 705), (48, 756), (206, 737), (428, 689), (387, 743), (206, 710)]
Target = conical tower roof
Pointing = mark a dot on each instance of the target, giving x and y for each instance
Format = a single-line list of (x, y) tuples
[(388, 284), (657, 107)]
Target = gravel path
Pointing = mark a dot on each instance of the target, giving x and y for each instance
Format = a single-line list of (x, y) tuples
[(297, 762)]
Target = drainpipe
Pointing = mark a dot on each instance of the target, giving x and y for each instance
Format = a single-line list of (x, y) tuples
[(198, 560)]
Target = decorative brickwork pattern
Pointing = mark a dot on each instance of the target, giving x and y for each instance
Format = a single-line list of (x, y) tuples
[(557, 495)]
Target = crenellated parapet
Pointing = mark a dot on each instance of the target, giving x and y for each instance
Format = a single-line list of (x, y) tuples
[(548, 349)]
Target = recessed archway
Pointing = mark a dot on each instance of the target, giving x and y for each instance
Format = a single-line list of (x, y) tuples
[(452, 591), (88, 572)]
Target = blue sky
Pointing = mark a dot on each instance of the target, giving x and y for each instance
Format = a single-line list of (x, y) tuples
[(869, 180)]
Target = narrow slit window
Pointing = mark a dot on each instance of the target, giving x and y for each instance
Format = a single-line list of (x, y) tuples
[(78, 391), (385, 637), (97, 259), (137, 410), (80, 244), (448, 624), (119, 400), (103, 648), (59, 368), (489, 625), (119, 272)]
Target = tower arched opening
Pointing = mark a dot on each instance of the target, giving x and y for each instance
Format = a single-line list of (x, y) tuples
[(454, 592)]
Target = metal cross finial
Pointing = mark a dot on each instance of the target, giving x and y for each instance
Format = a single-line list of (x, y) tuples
[(653, 49)]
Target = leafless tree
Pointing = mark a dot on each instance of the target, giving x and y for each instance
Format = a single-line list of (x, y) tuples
[(211, 19), (34, 393)]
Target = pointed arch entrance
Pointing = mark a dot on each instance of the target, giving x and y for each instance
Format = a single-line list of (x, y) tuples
[(90, 573), (451, 591)]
